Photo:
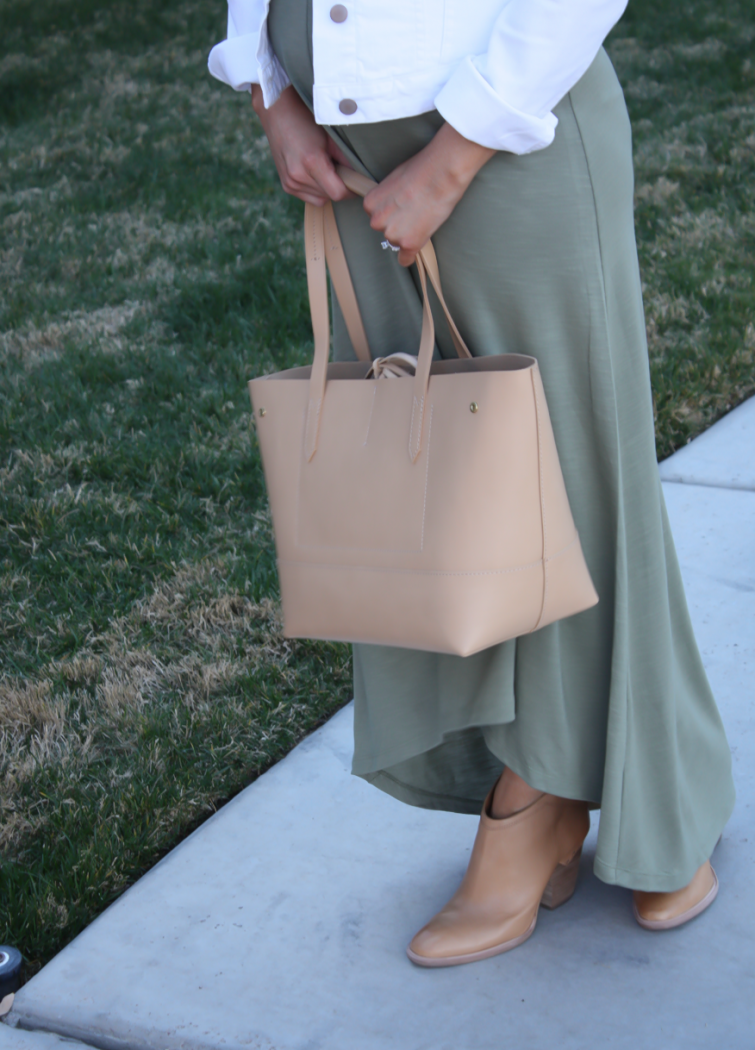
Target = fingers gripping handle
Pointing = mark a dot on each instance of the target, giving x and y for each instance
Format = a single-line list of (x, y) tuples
[(362, 185)]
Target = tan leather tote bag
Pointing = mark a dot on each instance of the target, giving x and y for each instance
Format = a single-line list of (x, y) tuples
[(427, 510)]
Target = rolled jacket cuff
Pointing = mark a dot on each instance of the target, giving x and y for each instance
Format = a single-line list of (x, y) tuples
[(237, 62), (468, 103), (274, 81), (234, 61)]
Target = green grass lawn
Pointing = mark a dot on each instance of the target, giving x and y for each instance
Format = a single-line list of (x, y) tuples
[(149, 265)]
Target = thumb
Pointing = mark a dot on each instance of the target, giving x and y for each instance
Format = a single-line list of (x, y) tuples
[(329, 181)]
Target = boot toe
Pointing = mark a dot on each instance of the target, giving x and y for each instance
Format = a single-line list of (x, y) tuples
[(447, 942), (447, 939), (664, 911)]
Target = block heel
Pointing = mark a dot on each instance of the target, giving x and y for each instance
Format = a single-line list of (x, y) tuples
[(562, 883)]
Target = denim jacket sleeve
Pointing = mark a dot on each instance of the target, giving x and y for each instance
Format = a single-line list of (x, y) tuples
[(525, 56), (538, 51), (246, 57)]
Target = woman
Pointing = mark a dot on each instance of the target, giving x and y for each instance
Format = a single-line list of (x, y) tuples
[(500, 130)]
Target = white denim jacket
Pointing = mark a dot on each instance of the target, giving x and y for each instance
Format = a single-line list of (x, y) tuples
[(494, 69)]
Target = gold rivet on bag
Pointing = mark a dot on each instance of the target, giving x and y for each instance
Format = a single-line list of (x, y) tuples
[(263, 411), (473, 407)]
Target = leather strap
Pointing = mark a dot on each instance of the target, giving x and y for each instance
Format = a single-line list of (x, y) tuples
[(361, 185), (317, 286), (344, 289), (424, 363), (323, 247)]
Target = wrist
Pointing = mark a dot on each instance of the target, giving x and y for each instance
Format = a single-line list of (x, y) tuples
[(461, 157), (258, 102)]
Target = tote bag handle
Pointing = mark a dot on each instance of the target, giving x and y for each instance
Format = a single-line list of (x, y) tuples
[(361, 185), (323, 247)]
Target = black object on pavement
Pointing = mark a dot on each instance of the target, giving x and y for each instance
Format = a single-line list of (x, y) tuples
[(10, 970)]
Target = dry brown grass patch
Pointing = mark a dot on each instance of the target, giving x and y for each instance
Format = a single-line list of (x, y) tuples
[(197, 636), (102, 326)]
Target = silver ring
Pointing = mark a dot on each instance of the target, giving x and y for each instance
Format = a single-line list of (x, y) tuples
[(387, 244)]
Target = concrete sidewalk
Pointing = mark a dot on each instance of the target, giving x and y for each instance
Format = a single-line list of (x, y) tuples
[(19, 1039), (280, 924)]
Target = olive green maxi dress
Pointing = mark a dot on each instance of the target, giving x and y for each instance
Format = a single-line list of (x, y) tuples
[(612, 705)]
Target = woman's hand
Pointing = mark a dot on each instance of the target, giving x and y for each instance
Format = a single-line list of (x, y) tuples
[(304, 154), (414, 200)]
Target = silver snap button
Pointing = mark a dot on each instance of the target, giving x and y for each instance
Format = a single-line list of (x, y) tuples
[(347, 106), (339, 13)]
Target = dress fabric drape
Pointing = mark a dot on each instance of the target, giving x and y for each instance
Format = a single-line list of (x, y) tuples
[(612, 705)]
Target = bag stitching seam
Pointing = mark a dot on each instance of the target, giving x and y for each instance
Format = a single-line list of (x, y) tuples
[(542, 503), (427, 478), (431, 572)]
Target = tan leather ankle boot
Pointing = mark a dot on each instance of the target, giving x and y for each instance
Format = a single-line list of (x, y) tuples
[(664, 911), (517, 863)]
